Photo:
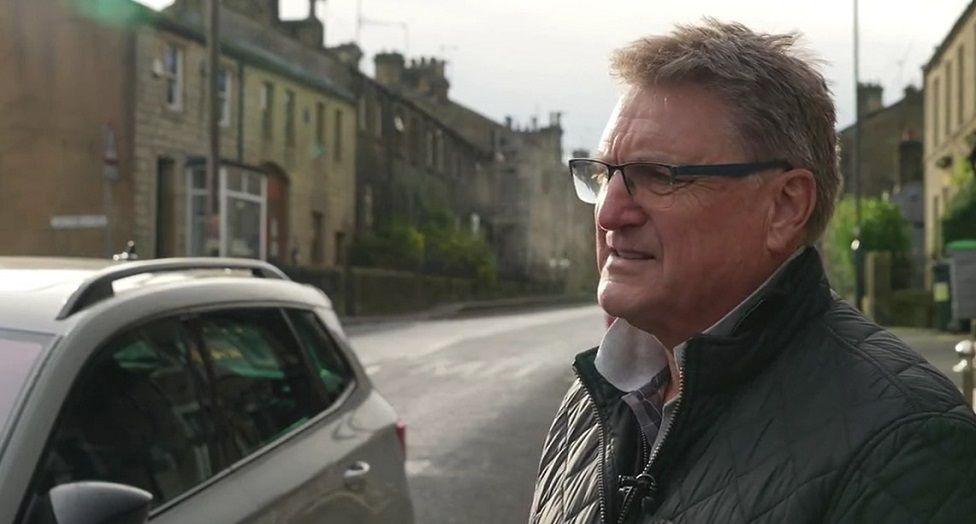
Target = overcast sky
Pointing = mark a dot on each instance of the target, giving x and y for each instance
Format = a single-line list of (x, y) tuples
[(525, 58)]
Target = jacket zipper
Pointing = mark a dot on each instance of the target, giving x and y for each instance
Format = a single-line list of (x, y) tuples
[(644, 484), (601, 438)]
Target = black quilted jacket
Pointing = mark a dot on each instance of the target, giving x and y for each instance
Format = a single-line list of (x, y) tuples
[(808, 412)]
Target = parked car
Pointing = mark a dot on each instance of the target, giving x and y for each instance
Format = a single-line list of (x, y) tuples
[(186, 391)]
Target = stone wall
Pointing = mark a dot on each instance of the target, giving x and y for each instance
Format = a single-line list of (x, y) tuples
[(65, 95)]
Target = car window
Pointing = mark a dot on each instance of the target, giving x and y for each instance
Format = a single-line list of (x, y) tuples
[(327, 359), (19, 352), (262, 381), (140, 414)]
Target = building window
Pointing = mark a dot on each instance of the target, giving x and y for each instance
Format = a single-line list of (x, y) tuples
[(415, 141), (165, 208), (440, 163), (320, 124), (430, 149), (340, 248), (173, 74), (936, 107), (362, 113), (267, 108), (338, 135), (318, 237), (948, 99), (289, 117), (960, 81), (378, 116), (223, 96), (241, 214)]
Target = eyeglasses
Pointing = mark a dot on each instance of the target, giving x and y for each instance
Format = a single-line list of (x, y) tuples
[(591, 176)]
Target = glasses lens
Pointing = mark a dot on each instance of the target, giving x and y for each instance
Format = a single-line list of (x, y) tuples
[(649, 177), (589, 178)]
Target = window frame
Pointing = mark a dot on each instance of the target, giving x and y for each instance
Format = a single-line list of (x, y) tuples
[(224, 96), (337, 138), (291, 103), (266, 105), (182, 315), (100, 351), (175, 77)]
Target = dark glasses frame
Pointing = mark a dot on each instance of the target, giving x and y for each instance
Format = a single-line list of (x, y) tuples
[(674, 171)]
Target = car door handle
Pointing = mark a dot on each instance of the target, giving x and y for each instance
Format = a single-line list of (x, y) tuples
[(355, 476)]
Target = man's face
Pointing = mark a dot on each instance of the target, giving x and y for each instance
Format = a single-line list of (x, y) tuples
[(674, 264)]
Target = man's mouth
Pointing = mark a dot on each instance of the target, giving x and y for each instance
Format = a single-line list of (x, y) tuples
[(630, 255)]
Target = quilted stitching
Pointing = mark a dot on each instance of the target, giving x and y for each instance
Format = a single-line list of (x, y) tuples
[(846, 424)]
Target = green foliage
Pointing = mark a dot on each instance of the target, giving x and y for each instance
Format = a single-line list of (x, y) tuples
[(439, 247), (396, 247), (883, 228), (959, 222), (457, 252)]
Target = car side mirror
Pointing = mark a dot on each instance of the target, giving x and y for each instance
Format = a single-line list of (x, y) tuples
[(93, 502)]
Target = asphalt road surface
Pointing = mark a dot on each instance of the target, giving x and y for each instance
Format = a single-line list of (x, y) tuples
[(478, 395)]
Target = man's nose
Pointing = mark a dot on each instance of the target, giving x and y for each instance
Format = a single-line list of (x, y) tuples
[(616, 208)]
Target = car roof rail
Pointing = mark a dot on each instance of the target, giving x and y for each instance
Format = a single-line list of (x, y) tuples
[(99, 286)]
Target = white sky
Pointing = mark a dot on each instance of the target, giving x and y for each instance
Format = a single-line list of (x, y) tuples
[(525, 58)]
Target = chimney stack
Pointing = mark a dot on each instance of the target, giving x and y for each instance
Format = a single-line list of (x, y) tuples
[(389, 68)]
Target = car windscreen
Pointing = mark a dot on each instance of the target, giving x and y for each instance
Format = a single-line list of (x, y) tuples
[(19, 352)]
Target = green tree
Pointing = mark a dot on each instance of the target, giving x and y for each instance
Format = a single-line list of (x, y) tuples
[(959, 222), (883, 228), (395, 247)]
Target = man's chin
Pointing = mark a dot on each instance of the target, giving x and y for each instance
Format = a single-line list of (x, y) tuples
[(615, 303)]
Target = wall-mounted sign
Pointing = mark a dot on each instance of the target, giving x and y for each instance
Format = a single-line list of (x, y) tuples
[(78, 221)]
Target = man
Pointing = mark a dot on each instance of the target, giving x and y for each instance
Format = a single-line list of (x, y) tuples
[(734, 386)]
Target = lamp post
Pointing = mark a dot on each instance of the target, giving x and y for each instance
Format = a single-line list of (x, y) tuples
[(212, 228), (856, 172)]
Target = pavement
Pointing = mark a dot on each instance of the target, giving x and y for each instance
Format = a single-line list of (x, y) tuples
[(470, 308)]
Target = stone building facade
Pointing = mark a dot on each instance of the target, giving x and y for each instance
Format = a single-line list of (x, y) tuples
[(520, 190), (891, 162), (950, 123), (109, 117), (66, 129), (118, 129), (883, 130)]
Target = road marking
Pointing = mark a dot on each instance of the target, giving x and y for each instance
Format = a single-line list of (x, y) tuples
[(417, 467)]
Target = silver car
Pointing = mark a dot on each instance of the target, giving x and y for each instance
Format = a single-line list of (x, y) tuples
[(186, 391)]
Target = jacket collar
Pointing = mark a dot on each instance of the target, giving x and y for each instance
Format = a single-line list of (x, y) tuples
[(798, 294)]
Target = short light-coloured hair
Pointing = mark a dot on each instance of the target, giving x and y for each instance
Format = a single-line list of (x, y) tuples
[(780, 103)]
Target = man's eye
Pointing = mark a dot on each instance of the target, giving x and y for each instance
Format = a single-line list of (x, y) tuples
[(649, 175)]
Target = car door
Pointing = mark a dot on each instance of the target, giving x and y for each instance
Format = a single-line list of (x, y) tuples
[(301, 425), (370, 462), (140, 413)]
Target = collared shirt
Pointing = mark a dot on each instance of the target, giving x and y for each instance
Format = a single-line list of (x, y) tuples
[(636, 362)]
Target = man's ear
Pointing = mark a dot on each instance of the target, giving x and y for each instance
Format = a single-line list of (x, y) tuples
[(794, 194)]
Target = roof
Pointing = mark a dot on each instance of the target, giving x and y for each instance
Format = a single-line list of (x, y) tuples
[(35, 292), (956, 27), (190, 24), (32, 290)]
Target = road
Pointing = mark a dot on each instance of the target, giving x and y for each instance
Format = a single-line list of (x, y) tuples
[(478, 395)]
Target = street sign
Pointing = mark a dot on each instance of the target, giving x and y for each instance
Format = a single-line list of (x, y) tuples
[(78, 221), (963, 278)]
